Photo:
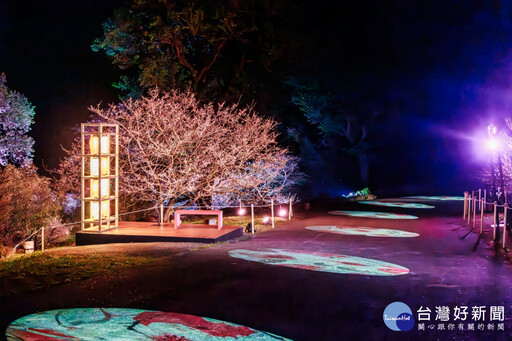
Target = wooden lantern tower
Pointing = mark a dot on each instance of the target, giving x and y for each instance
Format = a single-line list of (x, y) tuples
[(100, 176)]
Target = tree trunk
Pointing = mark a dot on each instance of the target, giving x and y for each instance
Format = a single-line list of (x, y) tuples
[(364, 168)]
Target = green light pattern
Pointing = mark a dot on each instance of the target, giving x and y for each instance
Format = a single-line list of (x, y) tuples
[(396, 204), (363, 231), (442, 198), (127, 324), (377, 215), (323, 262)]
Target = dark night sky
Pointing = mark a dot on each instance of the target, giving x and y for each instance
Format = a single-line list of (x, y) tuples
[(439, 69)]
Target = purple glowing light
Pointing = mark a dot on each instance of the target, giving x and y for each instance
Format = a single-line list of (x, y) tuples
[(492, 144)]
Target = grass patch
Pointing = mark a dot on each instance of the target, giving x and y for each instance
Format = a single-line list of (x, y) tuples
[(39, 270)]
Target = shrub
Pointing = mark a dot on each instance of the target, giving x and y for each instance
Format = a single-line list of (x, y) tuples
[(26, 204)]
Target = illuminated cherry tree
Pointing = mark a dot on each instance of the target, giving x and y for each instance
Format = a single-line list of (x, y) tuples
[(174, 149), (16, 119)]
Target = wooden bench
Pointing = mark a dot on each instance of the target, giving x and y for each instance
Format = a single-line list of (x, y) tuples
[(178, 213)]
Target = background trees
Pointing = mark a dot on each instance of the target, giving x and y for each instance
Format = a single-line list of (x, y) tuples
[(26, 200), (216, 48), (334, 130), (16, 119), (243, 51)]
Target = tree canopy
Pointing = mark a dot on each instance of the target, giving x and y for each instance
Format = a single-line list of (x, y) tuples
[(16, 119), (216, 48), (175, 149)]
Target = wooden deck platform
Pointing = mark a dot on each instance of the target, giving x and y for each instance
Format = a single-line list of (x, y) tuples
[(144, 232)]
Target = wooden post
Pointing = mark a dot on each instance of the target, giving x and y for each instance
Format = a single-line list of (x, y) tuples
[(485, 199), (252, 218), (479, 197), (42, 238), (505, 224), (466, 195), (482, 217), (494, 218), (272, 210), (469, 209), (290, 211), (161, 214), (474, 212)]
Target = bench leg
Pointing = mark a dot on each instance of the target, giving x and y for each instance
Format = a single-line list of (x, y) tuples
[(176, 220)]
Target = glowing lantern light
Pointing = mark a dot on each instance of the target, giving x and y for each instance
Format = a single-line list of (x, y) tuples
[(265, 220), (282, 212), (241, 211), (95, 166), (100, 208), (105, 166), (94, 144), (105, 188), (95, 210)]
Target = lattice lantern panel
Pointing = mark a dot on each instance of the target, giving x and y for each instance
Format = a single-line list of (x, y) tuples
[(100, 176)]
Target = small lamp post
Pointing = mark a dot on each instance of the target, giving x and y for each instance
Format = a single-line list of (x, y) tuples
[(493, 145)]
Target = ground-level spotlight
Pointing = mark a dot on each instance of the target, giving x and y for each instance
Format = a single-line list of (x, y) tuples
[(266, 220), (241, 211)]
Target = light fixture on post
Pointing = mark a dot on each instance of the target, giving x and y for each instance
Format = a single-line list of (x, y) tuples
[(493, 145), (100, 176)]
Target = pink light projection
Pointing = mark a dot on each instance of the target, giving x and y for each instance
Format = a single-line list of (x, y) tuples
[(323, 262), (363, 231)]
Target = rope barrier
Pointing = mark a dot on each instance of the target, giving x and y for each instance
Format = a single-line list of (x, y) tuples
[(252, 206), (470, 208)]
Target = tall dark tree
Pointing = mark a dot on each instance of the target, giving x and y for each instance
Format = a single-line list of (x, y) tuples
[(337, 125), (217, 48)]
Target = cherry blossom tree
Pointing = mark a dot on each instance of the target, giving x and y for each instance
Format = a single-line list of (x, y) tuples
[(175, 150), (16, 119)]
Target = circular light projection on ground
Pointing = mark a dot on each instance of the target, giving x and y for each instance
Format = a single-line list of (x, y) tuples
[(325, 262), (442, 198), (127, 324), (363, 231), (396, 204), (377, 215)]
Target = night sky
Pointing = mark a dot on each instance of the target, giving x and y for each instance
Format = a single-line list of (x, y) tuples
[(439, 70)]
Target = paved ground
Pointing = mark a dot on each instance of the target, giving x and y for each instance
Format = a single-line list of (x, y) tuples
[(448, 267)]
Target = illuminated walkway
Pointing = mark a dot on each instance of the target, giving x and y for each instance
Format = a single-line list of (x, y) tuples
[(304, 283)]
